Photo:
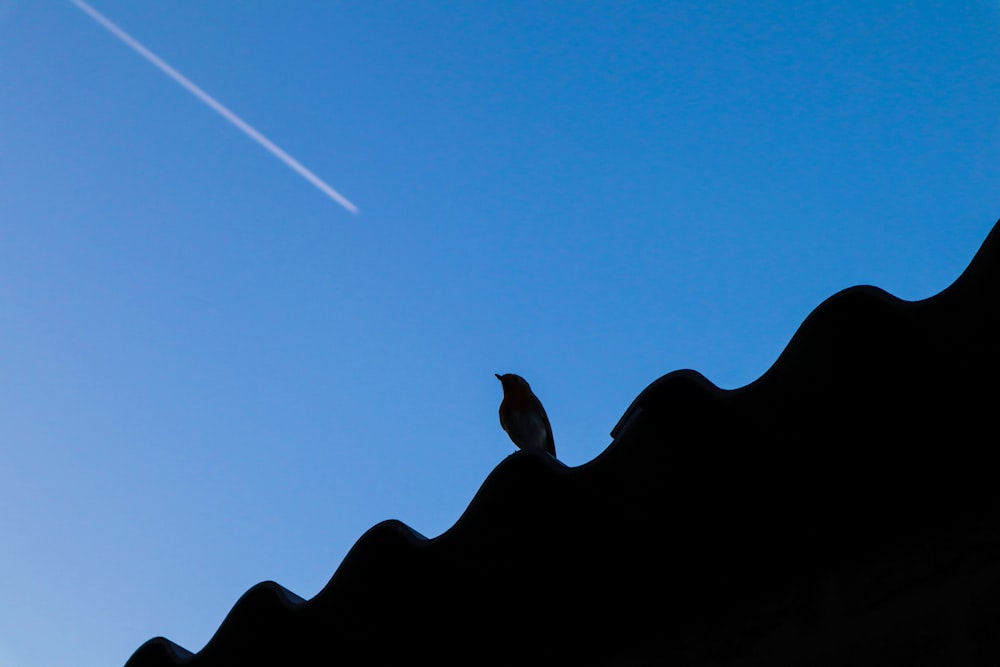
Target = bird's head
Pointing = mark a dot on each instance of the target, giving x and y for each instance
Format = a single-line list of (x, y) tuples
[(514, 385), (512, 381)]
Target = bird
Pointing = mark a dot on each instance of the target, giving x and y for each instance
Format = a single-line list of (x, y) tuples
[(522, 415)]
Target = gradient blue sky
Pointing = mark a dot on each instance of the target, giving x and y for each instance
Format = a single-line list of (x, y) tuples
[(213, 375)]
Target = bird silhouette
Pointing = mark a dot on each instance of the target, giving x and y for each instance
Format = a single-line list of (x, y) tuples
[(522, 415)]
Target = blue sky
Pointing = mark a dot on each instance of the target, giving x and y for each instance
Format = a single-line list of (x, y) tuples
[(212, 375)]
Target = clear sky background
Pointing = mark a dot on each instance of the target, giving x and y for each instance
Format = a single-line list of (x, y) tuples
[(212, 375)]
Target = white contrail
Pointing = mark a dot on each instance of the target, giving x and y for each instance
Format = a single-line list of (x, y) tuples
[(240, 124)]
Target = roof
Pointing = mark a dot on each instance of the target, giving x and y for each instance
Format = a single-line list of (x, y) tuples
[(714, 518)]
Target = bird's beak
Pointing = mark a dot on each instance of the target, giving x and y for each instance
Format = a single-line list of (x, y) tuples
[(498, 377)]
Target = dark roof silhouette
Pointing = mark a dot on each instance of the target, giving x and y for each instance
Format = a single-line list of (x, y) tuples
[(841, 509)]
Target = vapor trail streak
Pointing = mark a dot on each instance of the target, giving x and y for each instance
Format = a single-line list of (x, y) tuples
[(240, 124)]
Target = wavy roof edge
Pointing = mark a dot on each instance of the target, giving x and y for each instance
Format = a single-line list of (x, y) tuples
[(821, 390)]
